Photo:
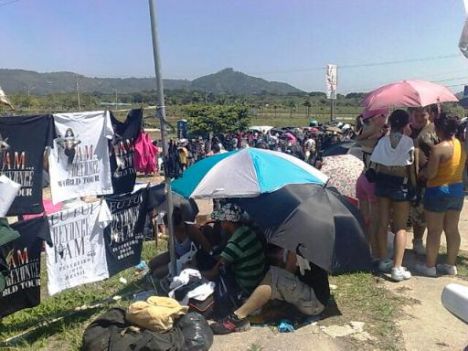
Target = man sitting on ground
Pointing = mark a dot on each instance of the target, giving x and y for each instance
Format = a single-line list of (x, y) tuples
[(243, 255), (291, 279)]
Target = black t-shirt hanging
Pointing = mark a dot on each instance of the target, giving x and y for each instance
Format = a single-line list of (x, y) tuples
[(23, 257), (124, 236), (122, 149), (22, 143)]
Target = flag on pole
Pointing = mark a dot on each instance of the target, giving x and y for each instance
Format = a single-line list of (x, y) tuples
[(331, 81), (4, 99)]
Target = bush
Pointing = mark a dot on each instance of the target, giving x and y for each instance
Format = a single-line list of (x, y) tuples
[(203, 119)]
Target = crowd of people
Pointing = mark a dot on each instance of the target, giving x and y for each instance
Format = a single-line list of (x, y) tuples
[(414, 164), (306, 143)]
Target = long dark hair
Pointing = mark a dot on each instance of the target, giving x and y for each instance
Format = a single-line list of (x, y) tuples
[(446, 124)]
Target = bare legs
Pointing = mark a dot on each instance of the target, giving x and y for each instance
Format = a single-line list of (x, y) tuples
[(400, 221), (436, 224), (383, 212), (369, 213), (259, 298), (398, 212)]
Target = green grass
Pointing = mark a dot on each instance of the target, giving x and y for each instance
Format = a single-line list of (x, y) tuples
[(66, 333), (362, 297)]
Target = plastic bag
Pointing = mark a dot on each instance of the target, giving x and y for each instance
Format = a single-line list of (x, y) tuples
[(197, 333), (463, 43)]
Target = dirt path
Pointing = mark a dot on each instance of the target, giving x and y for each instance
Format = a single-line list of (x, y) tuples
[(266, 340), (426, 324)]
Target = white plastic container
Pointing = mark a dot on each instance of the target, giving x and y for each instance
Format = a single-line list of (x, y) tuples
[(455, 299)]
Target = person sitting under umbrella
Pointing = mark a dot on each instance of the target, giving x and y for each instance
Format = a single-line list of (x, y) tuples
[(186, 235), (290, 278), (241, 265)]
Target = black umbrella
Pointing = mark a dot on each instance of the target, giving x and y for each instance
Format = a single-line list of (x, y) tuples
[(314, 221), (157, 200)]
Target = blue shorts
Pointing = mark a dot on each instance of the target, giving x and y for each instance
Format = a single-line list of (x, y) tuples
[(444, 198), (393, 188)]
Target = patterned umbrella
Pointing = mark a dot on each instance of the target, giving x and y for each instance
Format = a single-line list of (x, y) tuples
[(244, 173), (343, 170)]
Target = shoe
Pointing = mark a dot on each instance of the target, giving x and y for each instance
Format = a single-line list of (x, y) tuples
[(447, 269), (385, 266), (229, 325), (400, 273), (418, 247), (425, 270)]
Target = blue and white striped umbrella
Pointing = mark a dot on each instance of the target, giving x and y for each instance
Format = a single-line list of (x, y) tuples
[(245, 173)]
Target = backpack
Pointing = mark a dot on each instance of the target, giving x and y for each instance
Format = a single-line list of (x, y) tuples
[(111, 332)]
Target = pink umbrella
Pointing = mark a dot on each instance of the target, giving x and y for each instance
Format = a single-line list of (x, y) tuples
[(408, 93)]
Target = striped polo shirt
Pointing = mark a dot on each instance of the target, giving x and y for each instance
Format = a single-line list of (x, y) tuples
[(247, 258)]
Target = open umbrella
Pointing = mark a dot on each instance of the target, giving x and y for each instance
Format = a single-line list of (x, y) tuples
[(408, 93), (244, 173), (343, 170), (316, 222), (157, 200)]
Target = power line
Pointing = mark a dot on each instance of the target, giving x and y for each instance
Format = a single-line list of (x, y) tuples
[(368, 64), (8, 3)]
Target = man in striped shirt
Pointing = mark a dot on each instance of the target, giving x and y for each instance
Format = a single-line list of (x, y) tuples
[(243, 255)]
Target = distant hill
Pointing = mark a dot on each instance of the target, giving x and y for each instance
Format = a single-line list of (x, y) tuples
[(229, 81), (226, 81)]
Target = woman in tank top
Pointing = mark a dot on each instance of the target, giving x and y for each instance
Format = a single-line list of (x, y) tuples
[(444, 197)]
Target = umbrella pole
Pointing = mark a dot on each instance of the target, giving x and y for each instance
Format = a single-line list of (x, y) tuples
[(161, 115)]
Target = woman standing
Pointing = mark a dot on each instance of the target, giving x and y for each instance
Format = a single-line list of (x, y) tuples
[(443, 200), (393, 167), (369, 132)]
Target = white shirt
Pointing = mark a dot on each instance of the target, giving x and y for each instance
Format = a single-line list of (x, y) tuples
[(79, 161)]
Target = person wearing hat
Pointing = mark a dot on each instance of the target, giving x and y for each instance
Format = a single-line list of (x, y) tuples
[(242, 261), (373, 128), (291, 279)]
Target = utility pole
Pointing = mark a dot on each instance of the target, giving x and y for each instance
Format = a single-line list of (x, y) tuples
[(115, 99), (161, 115), (78, 93), (332, 110)]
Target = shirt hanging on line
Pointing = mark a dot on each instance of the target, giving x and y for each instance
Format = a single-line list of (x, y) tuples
[(78, 255), (124, 237), (122, 151), (23, 140), (79, 161), (23, 258)]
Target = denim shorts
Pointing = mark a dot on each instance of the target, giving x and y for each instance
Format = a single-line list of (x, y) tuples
[(393, 188), (444, 198), (443, 203)]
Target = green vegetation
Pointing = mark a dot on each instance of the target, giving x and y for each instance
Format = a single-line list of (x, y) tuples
[(66, 332), (362, 297), (204, 119)]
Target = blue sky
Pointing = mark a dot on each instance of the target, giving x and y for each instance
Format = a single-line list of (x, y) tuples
[(284, 40)]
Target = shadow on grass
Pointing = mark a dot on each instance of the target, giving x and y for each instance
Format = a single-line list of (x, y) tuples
[(53, 328), (46, 316)]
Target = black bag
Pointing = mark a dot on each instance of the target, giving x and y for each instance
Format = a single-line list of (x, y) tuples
[(197, 333), (110, 332), (205, 308)]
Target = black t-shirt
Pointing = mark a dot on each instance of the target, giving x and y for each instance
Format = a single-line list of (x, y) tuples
[(122, 149), (317, 279), (22, 143), (23, 257), (124, 236)]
